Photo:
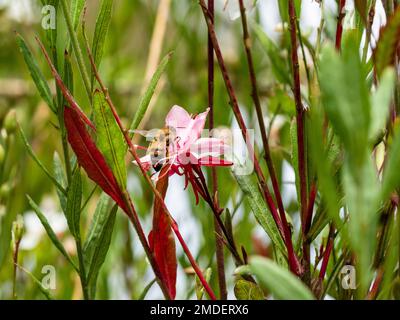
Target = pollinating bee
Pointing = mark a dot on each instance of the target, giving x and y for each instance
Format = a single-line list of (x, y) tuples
[(160, 143)]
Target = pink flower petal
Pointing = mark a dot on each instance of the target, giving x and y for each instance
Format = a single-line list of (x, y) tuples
[(209, 147), (177, 117), (213, 162)]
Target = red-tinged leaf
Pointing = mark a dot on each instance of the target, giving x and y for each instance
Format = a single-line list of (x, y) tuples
[(66, 93), (89, 157), (161, 239), (388, 43)]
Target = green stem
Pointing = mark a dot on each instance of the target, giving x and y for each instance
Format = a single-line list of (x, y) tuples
[(77, 49), (82, 272)]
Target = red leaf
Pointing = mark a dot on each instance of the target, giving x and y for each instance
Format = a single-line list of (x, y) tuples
[(89, 157), (162, 240)]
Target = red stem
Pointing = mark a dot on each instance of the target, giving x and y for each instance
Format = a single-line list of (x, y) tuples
[(327, 253), (257, 104), (192, 261), (283, 227), (219, 246), (339, 26)]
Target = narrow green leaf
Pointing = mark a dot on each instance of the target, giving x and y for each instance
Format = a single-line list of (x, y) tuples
[(50, 232), (73, 210), (280, 282), (45, 291), (247, 290), (251, 192), (391, 176), (76, 11), (100, 32), (146, 289), (381, 104), (98, 243), (386, 49), (148, 94), (60, 177), (38, 162), (279, 65), (199, 286), (37, 76), (348, 110), (110, 139)]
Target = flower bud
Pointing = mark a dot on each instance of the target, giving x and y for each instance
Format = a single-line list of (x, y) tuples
[(18, 229), (10, 121), (5, 190)]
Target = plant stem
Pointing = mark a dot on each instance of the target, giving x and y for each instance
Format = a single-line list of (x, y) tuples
[(257, 104), (327, 253), (77, 49), (368, 32), (283, 228), (219, 246), (339, 26), (82, 272), (132, 150), (15, 261)]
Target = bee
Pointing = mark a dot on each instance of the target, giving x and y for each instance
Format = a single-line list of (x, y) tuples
[(160, 143)]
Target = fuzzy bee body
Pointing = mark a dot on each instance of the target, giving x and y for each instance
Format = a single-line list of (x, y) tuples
[(158, 148)]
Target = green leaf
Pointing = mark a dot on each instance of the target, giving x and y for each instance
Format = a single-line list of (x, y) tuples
[(251, 192), (38, 162), (73, 210), (391, 176), (381, 104), (199, 286), (110, 139), (98, 242), (148, 94), (280, 282), (37, 76), (279, 65), (42, 289), (345, 96), (76, 11), (60, 177), (386, 49), (100, 32), (50, 232), (247, 290)]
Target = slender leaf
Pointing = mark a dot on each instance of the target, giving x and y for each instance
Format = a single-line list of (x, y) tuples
[(280, 282), (279, 65), (53, 237), (146, 98), (110, 139), (99, 246), (100, 32), (250, 189), (37, 76), (386, 49), (60, 177), (73, 210), (39, 163)]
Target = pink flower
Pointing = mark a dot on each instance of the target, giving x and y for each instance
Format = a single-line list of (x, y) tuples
[(187, 150)]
